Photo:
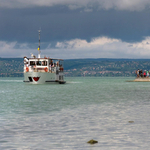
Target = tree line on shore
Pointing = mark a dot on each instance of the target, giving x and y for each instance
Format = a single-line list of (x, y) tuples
[(13, 67)]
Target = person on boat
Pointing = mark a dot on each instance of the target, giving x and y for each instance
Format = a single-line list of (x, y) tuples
[(42, 63), (27, 65), (57, 63), (25, 60), (50, 67), (52, 64)]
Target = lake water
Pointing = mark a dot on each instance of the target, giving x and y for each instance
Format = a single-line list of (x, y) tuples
[(112, 111)]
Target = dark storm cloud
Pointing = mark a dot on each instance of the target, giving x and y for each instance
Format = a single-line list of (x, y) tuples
[(59, 23), (75, 29)]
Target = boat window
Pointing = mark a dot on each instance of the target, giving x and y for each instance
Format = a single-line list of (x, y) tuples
[(32, 62), (38, 63), (44, 63)]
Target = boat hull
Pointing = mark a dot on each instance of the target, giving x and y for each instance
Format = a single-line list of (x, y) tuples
[(42, 78)]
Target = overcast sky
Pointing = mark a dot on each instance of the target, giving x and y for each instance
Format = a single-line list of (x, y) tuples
[(75, 28)]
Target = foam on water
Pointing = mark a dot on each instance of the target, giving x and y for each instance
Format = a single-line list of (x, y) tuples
[(3, 91), (74, 82)]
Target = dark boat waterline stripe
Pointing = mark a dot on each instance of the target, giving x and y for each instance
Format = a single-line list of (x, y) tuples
[(60, 82), (52, 81)]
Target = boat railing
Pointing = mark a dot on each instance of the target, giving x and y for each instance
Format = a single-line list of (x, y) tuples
[(40, 69), (52, 69)]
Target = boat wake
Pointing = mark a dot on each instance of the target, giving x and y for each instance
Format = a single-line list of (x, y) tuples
[(74, 82)]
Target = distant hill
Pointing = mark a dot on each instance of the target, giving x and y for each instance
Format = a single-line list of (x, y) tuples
[(105, 67), (13, 67)]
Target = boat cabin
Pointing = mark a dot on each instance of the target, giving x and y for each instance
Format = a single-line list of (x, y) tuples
[(43, 65)]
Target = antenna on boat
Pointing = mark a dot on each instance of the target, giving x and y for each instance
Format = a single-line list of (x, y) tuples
[(39, 56)]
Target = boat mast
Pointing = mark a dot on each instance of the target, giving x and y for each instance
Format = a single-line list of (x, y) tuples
[(39, 56)]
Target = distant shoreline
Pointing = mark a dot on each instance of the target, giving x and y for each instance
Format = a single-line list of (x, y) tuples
[(91, 67)]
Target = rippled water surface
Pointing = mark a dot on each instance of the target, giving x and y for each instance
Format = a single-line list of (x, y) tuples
[(110, 110)]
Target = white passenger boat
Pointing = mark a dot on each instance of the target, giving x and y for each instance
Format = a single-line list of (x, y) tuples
[(39, 70)]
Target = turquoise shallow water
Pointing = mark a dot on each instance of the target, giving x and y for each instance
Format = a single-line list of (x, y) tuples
[(67, 116)]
